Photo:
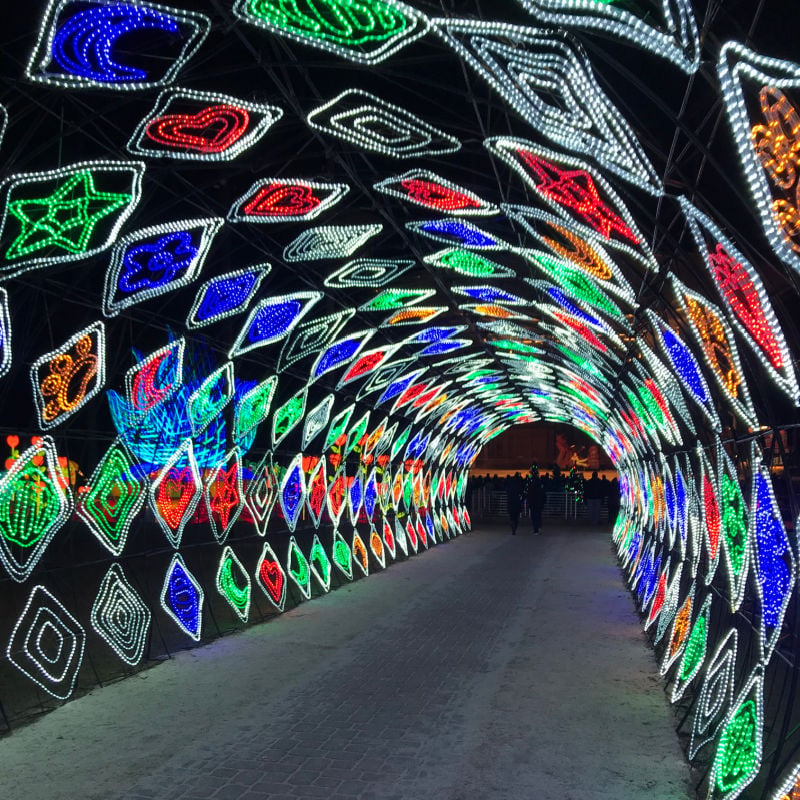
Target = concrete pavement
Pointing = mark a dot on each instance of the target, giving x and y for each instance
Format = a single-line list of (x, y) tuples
[(490, 667)]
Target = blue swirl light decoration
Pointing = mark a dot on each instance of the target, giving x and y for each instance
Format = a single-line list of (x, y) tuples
[(154, 264), (84, 44)]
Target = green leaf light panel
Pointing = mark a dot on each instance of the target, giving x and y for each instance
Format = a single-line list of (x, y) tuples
[(207, 402), (34, 505), (233, 583), (694, 651), (736, 542), (114, 496), (320, 564), (365, 32), (357, 434), (338, 427), (287, 416), (469, 263), (342, 555), (391, 299), (298, 568), (43, 620), (738, 757), (121, 617), (253, 407)]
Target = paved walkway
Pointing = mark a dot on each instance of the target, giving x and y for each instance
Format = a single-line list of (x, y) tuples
[(492, 667)]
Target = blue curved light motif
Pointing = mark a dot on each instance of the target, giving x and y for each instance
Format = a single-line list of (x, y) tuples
[(464, 234), (336, 355), (183, 599), (154, 264), (224, 295), (685, 365), (84, 44)]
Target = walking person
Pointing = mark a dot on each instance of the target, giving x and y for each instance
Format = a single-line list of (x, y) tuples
[(514, 498), (593, 495), (613, 500), (536, 497)]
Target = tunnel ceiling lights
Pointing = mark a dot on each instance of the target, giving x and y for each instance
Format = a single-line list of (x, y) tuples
[(262, 300)]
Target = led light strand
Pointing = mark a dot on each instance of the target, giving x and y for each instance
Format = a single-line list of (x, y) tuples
[(369, 122), (47, 644)]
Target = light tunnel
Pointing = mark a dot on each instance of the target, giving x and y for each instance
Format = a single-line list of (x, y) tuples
[(274, 272)]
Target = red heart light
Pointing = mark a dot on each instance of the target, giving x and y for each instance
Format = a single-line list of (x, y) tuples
[(210, 130), (282, 200), (12, 441), (271, 576)]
